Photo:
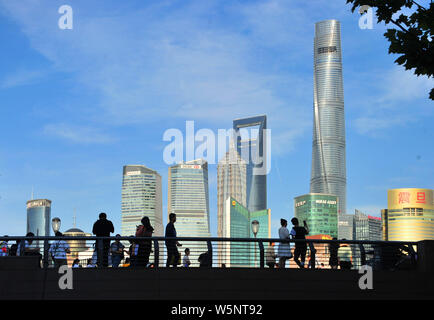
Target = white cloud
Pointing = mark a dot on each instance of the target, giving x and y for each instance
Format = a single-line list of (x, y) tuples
[(21, 77), (77, 134)]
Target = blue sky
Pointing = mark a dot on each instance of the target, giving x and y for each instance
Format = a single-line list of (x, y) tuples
[(77, 105)]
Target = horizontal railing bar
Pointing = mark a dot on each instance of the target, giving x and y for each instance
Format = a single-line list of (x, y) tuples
[(212, 239)]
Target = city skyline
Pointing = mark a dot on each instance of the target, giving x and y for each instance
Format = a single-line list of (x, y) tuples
[(72, 114)]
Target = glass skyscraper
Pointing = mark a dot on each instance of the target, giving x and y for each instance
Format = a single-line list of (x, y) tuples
[(237, 223), (366, 227), (188, 198), (39, 219), (141, 196), (251, 146), (320, 211), (231, 182), (328, 174)]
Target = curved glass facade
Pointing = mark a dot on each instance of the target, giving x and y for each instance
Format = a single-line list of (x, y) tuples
[(409, 216), (328, 174), (39, 218)]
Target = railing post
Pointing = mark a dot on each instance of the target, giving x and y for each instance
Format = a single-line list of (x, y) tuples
[(100, 252), (45, 260), (362, 255), (156, 254), (209, 245), (261, 255)]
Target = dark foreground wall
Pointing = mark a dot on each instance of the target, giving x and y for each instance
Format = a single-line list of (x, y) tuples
[(178, 284)]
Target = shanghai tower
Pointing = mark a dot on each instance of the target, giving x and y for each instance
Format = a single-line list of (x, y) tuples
[(328, 173)]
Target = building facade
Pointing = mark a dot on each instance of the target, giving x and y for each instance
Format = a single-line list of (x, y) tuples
[(39, 219), (251, 145), (320, 211), (141, 196), (328, 173), (231, 182), (409, 215), (188, 198), (345, 226), (238, 224), (366, 227)]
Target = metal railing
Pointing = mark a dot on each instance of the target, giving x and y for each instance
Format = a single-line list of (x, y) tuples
[(157, 252)]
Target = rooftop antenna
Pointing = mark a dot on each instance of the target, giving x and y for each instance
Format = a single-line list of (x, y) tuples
[(74, 218)]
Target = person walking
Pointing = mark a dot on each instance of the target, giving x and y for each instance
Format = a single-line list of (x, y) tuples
[(345, 257), (284, 251), (270, 256), (171, 245), (333, 249), (299, 233), (145, 230), (103, 228), (58, 251), (117, 252)]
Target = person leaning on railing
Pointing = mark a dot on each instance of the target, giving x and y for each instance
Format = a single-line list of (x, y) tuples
[(58, 251), (24, 247), (4, 248)]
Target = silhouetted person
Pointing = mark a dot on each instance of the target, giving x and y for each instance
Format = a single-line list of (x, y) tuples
[(117, 252), (58, 251), (270, 256), (145, 246), (103, 228), (333, 248), (312, 258), (284, 251), (205, 260), (171, 245), (299, 233), (4, 248), (186, 260), (24, 247)]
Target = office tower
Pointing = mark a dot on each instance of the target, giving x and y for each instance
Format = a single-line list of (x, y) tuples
[(366, 227), (39, 219), (345, 226), (251, 145), (238, 224), (188, 198), (141, 196), (328, 173), (409, 215), (320, 212), (231, 182)]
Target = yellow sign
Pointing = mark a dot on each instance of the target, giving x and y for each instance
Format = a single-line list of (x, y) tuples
[(410, 198)]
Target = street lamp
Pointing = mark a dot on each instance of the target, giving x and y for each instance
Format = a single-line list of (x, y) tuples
[(55, 224), (255, 229)]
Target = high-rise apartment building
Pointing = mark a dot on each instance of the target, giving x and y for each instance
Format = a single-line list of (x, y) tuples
[(141, 196), (251, 145), (345, 226), (188, 198), (328, 174)]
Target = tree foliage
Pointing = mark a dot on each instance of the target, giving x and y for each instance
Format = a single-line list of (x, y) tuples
[(412, 37)]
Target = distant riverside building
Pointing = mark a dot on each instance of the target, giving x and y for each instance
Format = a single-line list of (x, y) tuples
[(320, 212), (231, 182), (237, 223), (345, 226), (328, 174), (78, 247), (409, 215), (141, 196), (251, 145), (39, 218), (366, 227), (188, 198)]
